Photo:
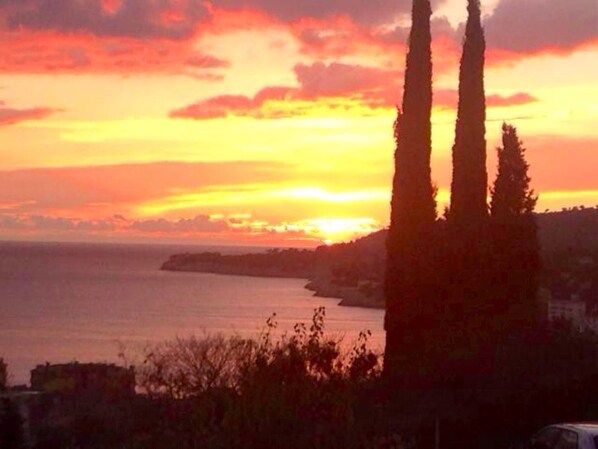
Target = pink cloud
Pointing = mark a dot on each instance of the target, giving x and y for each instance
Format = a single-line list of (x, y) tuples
[(336, 79), (141, 35), (10, 116), (115, 36), (198, 224), (533, 26), (125, 18), (341, 36), (371, 86), (219, 106), (224, 230), (373, 12), (90, 190), (440, 26), (519, 98), (449, 99), (368, 86), (515, 29), (41, 52), (111, 6), (207, 62)]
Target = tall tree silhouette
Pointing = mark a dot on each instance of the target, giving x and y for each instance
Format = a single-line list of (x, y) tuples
[(413, 206), (511, 194), (516, 254), (469, 270), (470, 179)]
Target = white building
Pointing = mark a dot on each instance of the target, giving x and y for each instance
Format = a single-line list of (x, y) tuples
[(574, 311)]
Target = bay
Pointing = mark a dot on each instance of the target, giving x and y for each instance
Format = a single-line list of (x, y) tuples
[(61, 302)]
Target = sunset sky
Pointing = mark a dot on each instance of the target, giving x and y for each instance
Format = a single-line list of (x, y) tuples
[(265, 122)]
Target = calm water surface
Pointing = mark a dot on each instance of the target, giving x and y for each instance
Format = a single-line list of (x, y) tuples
[(65, 302)]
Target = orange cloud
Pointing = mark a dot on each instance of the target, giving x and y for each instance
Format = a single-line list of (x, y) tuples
[(43, 52)]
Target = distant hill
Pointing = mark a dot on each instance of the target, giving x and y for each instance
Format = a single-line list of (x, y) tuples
[(571, 229), (354, 271)]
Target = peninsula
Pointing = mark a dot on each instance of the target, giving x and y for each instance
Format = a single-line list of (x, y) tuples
[(353, 272)]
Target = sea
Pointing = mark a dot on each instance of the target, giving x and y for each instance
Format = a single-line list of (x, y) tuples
[(66, 302)]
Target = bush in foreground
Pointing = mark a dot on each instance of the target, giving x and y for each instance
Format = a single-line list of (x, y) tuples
[(303, 390), (300, 390)]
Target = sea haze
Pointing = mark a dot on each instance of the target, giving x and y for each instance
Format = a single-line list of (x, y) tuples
[(61, 302)]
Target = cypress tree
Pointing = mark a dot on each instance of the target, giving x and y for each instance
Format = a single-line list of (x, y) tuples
[(517, 259), (470, 179), (469, 273), (511, 194), (413, 206)]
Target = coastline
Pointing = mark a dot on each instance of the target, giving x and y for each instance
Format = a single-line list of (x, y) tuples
[(364, 294), (234, 272)]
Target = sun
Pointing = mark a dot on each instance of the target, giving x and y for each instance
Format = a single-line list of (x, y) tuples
[(336, 230)]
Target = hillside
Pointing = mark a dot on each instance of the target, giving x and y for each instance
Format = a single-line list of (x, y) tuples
[(354, 271)]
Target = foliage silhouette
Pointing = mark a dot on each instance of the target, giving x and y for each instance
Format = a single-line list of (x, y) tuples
[(512, 196), (515, 233), (189, 367), (466, 330), (301, 391), (470, 179), (457, 288), (11, 425), (3, 374), (413, 204)]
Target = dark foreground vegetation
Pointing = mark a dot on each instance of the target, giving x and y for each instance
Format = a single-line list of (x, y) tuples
[(304, 391)]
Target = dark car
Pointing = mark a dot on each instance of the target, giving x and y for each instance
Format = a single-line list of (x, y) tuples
[(566, 436)]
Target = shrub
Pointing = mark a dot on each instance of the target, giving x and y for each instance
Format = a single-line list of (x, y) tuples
[(189, 367), (3, 375), (300, 390)]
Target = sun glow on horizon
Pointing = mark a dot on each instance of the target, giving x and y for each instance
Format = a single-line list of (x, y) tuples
[(266, 123), (336, 230)]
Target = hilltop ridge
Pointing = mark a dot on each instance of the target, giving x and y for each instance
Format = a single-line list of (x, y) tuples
[(354, 271)]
